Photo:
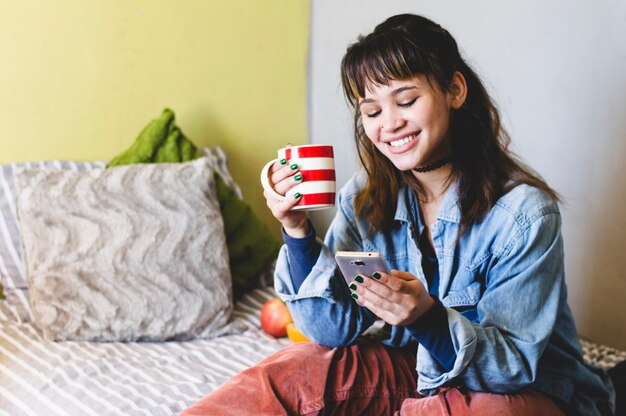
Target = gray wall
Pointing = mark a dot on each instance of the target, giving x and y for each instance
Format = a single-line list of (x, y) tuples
[(557, 70)]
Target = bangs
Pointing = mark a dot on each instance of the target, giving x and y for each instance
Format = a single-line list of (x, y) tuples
[(377, 61)]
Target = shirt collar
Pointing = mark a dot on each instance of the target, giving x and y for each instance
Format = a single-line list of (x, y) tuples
[(450, 210)]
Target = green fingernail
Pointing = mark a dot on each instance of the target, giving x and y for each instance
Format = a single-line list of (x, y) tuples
[(353, 286), (358, 278), (298, 177), (376, 276), (354, 295), (294, 166), (283, 161), (297, 195)]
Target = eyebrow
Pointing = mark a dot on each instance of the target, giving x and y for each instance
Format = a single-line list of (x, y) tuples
[(393, 93)]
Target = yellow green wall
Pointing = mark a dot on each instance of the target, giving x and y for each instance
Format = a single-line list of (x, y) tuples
[(80, 79)]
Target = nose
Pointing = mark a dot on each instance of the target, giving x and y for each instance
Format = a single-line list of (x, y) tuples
[(391, 121)]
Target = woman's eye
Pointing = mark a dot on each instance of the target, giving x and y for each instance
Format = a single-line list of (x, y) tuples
[(372, 114), (408, 103)]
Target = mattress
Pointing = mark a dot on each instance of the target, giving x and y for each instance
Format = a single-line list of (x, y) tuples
[(39, 377)]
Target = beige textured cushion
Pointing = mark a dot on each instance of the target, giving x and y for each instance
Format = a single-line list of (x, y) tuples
[(125, 254)]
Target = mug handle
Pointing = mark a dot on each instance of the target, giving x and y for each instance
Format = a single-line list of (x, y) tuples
[(266, 183)]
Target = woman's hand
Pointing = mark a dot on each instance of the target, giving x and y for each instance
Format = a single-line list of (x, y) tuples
[(398, 298), (283, 177)]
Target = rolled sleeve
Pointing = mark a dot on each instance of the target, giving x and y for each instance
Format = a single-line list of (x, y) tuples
[(464, 338), (316, 285), (517, 314)]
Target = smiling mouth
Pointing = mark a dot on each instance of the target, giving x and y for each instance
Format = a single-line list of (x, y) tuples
[(403, 141)]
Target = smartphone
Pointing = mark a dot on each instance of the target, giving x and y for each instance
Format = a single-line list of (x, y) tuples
[(352, 263)]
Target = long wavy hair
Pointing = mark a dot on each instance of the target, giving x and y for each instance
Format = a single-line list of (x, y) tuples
[(401, 48)]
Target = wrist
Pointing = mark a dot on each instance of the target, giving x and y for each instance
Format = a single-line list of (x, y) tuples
[(298, 230), (427, 312), (428, 304)]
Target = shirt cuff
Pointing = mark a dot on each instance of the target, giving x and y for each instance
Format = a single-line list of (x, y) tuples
[(303, 253), (431, 331)]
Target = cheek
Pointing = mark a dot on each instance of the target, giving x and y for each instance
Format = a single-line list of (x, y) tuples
[(371, 129)]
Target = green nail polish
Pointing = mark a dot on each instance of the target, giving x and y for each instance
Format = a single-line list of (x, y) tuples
[(283, 161), (376, 276), (294, 166), (353, 286), (297, 195), (354, 295), (298, 177), (358, 278)]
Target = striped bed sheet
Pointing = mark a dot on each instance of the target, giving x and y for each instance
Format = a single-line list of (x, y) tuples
[(39, 377)]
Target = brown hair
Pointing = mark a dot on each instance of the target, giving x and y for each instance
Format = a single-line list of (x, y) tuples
[(401, 48)]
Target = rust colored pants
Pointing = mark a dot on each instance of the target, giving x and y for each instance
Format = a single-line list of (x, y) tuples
[(364, 379)]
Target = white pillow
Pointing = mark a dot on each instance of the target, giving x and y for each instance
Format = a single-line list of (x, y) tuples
[(131, 253)]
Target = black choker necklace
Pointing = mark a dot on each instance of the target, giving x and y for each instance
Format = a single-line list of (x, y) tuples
[(433, 166)]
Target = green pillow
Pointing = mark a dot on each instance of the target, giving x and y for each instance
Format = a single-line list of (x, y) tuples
[(251, 246), (161, 141)]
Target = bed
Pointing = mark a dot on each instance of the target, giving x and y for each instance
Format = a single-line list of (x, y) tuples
[(39, 377), (43, 376), (84, 376)]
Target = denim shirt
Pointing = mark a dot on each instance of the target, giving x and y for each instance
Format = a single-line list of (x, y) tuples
[(502, 284)]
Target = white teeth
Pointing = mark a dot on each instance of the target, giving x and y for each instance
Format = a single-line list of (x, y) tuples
[(400, 142)]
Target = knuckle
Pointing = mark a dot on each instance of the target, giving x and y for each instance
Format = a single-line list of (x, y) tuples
[(276, 177), (379, 303), (279, 189), (386, 292)]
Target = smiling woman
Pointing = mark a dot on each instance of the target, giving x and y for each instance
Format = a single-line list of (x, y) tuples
[(474, 247)]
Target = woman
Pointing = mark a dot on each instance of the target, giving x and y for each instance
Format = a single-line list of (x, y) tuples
[(474, 241)]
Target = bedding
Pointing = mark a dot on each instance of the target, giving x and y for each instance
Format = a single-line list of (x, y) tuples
[(131, 253), (39, 377), (12, 269), (240, 223)]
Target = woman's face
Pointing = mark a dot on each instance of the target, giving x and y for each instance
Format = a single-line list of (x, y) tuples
[(408, 121)]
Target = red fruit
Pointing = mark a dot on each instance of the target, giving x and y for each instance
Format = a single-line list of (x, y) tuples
[(274, 317)]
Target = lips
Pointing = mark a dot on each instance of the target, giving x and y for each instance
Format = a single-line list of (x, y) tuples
[(403, 143), (400, 142)]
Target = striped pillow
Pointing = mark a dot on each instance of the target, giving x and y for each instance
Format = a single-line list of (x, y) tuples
[(12, 269)]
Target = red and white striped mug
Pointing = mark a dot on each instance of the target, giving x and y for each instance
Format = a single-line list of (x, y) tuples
[(316, 163)]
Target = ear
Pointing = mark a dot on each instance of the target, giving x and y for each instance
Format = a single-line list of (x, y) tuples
[(458, 91)]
